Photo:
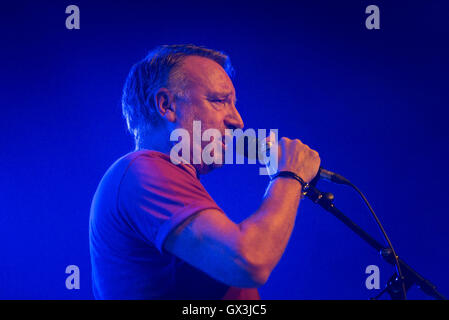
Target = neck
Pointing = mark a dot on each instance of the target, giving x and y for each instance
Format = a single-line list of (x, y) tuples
[(159, 141), (156, 141)]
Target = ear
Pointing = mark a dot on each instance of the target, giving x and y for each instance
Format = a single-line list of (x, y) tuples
[(165, 104)]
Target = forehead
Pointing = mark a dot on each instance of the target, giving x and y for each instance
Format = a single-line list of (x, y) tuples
[(206, 74)]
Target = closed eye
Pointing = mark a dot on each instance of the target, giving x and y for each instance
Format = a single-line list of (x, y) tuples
[(217, 100)]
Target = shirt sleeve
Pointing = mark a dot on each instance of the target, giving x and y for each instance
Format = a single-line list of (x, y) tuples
[(155, 196)]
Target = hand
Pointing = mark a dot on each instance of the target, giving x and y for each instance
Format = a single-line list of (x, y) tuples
[(298, 158)]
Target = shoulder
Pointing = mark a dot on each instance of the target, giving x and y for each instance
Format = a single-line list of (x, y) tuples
[(154, 166)]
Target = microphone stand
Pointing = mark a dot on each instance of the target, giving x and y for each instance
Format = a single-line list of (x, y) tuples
[(394, 285)]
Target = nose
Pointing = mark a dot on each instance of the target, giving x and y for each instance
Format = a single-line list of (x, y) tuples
[(233, 120)]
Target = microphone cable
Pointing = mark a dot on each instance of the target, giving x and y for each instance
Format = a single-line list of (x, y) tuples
[(379, 224)]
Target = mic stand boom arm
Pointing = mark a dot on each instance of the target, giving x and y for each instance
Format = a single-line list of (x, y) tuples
[(325, 200)]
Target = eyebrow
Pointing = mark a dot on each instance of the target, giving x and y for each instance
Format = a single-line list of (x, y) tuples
[(223, 94)]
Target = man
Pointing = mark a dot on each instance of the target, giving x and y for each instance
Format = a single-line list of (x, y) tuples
[(155, 233)]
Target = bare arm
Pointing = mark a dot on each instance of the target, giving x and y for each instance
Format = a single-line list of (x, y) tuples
[(243, 255)]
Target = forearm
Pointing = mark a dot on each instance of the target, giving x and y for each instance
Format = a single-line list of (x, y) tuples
[(240, 255), (265, 234)]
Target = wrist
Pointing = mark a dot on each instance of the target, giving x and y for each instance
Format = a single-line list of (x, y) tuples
[(293, 176)]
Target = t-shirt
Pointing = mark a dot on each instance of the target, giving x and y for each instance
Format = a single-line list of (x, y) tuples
[(142, 198)]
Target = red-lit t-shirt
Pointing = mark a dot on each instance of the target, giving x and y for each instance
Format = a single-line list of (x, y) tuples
[(139, 201)]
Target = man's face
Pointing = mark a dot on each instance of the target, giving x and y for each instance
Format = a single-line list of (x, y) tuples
[(210, 99)]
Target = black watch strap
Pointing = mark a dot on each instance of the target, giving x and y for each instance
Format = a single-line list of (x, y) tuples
[(288, 174)]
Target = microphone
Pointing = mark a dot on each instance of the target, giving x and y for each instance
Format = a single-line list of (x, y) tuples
[(331, 176), (322, 174)]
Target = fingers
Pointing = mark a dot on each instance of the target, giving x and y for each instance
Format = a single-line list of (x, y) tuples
[(298, 157)]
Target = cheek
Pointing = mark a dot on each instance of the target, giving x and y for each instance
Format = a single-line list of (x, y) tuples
[(186, 114), (204, 112)]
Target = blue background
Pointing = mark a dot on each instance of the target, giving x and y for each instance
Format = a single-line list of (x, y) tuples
[(372, 102)]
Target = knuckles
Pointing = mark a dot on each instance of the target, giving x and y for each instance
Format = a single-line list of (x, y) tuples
[(284, 141), (296, 145), (298, 157)]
